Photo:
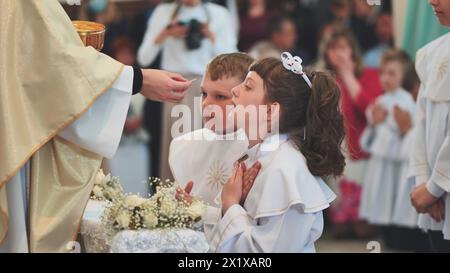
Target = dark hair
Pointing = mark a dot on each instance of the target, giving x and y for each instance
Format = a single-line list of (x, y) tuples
[(276, 24), (316, 109)]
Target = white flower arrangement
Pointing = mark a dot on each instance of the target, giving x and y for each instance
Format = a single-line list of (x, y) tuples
[(163, 210), (106, 188)]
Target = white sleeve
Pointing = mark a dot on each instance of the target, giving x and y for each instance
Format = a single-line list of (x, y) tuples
[(210, 218), (100, 129), (148, 51), (439, 182), (418, 162), (291, 231), (226, 40)]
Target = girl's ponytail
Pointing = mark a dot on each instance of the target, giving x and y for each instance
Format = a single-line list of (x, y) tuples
[(324, 128)]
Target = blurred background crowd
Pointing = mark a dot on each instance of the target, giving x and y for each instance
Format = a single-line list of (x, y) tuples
[(346, 37)]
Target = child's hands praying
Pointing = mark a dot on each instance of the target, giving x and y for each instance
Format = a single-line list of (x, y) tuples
[(378, 114), (232, 191), (249, 179)]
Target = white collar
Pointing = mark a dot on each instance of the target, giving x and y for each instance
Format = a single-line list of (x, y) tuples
[(269, 144), (285, 181), (239, 134)]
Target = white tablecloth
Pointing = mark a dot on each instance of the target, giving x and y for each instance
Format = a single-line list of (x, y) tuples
[(96, 240)]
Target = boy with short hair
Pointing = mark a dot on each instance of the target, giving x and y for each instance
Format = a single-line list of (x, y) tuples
[(206, 156)]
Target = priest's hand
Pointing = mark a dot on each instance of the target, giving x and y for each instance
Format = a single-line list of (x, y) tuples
[(163, 86), (422, 199), (232, 191), (249, 178)]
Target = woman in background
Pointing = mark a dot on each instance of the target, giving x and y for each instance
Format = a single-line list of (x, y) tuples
[(360, 86), (254, 16)]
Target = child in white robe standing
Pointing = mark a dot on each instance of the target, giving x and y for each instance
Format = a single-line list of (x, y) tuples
[(405, 232), (407, 236), (206, 156), (430, 162), (383, 140), (301, 146)]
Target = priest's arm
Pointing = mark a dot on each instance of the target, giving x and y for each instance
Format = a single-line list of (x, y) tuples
[(100, 128)]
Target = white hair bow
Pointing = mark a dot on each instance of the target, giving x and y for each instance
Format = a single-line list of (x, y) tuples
[(294, 64)]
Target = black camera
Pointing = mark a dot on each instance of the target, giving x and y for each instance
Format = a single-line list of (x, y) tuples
[(194, 34)]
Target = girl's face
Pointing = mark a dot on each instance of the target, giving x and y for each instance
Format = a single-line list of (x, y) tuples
[(442, 10), (216, 97), (391, 76), (252, 112), (338, 52)]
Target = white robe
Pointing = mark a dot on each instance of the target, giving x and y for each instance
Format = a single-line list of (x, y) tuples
[(98, 130), (384, 143), (405, 215), (430, 161), (283, 210), (206, 159), (131, 163)]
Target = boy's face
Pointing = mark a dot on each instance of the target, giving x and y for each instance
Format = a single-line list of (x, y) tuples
[(442, 10), (391, 75), (216, 96)]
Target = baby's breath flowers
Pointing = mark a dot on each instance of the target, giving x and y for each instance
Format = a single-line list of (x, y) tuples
[(163, 210), (106, 188)]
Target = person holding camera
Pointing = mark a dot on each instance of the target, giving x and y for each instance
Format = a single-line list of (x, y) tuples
[(188, 33)]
